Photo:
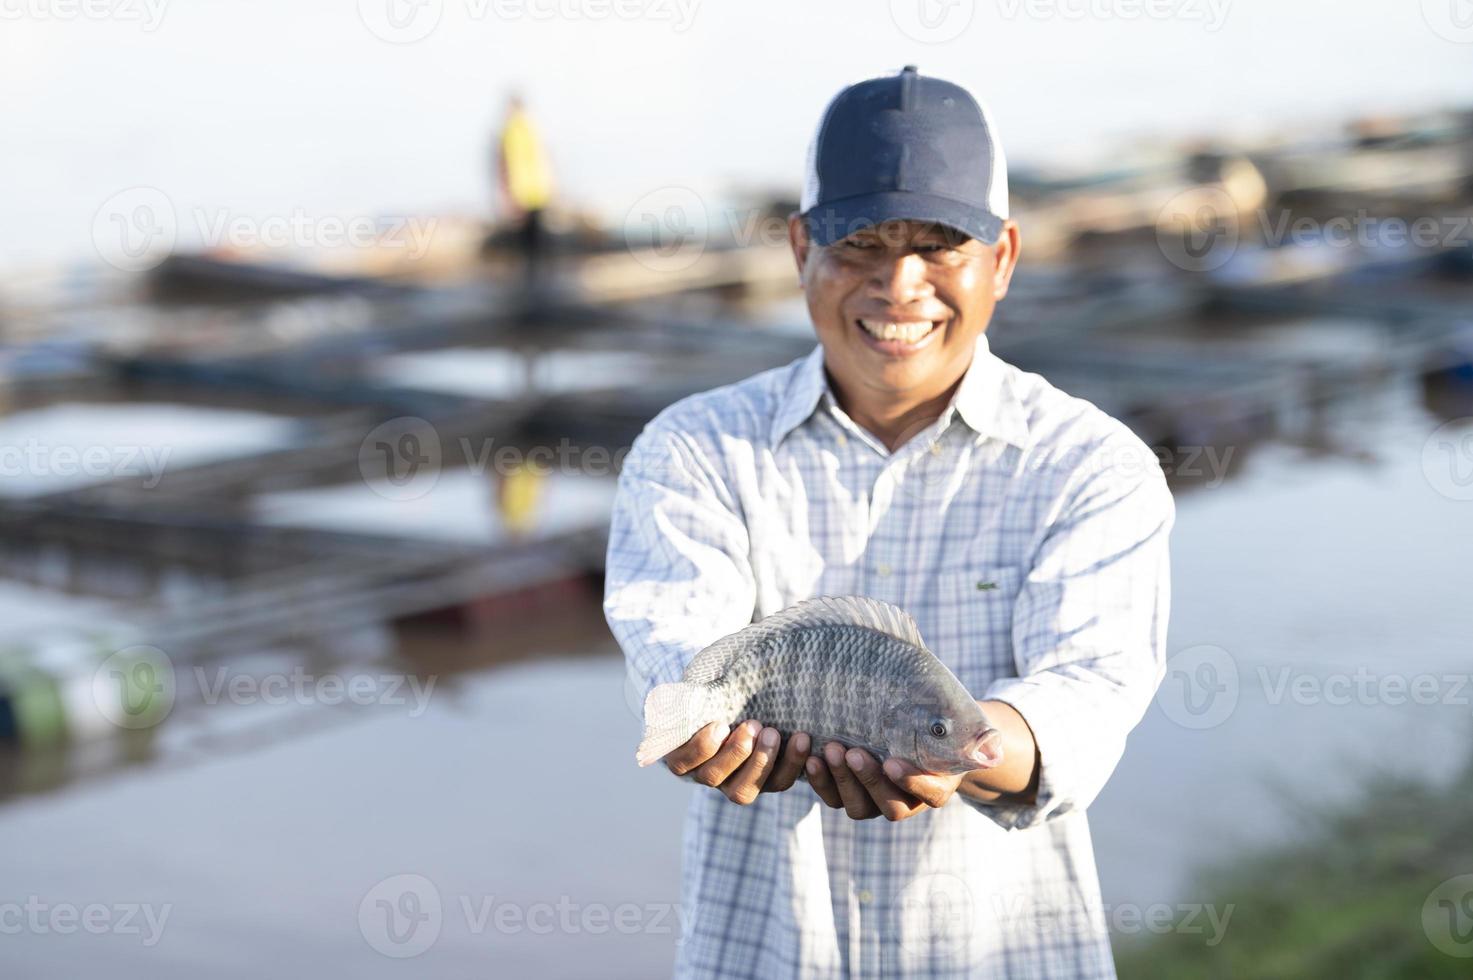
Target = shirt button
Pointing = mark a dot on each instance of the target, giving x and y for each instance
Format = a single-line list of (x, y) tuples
[(935, 449), (842, 439), (882, 570), (866, 896)]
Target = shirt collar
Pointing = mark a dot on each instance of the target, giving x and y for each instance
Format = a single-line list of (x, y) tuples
[(985, 399)]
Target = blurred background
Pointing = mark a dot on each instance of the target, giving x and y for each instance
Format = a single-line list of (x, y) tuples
[(325, 327)]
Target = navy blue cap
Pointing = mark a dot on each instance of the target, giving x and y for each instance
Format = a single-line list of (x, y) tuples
[(905, 146)]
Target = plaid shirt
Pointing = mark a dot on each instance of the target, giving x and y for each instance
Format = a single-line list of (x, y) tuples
[(1026, 532)]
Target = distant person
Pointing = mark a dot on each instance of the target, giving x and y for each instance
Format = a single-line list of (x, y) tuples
[(519, 493), (1024, 529), (525, 178)]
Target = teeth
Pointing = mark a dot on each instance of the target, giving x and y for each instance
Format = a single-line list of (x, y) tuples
[(908, 332)]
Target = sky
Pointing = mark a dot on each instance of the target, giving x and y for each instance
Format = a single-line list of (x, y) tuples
[(351, 107)]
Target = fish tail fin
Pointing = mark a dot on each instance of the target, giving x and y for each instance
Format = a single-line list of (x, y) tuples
[(672, 714)]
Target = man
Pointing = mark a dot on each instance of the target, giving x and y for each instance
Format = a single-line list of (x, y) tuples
[(1025, 531), (525, 177)]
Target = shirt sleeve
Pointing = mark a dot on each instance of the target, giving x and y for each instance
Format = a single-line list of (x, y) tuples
[(1089, 637), (678, 574)]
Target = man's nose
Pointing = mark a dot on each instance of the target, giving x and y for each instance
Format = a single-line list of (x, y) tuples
[(900, 278)]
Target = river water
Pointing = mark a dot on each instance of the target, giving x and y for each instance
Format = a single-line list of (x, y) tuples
[(533, 845)]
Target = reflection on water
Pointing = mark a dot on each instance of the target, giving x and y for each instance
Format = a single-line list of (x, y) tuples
[(60, 447), (517, 789), (1318, 591), (515, 786), (459, 505), (500, 373)]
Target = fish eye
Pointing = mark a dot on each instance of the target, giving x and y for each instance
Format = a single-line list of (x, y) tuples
[(938, 729)]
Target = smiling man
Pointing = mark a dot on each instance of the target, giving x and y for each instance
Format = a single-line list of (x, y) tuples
[(1023, 529)]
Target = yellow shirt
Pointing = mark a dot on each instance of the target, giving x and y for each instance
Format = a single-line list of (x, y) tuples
[(528, 176)]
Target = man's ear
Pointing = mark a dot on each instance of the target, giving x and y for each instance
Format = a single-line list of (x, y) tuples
[(1005, 256), (798, 239)]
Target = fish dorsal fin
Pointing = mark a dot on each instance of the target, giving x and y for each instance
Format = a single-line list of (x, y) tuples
[(849, 610)]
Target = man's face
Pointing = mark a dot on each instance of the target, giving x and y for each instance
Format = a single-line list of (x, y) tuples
[(898, 307)]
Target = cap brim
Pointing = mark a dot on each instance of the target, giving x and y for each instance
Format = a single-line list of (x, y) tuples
[(835, 220)]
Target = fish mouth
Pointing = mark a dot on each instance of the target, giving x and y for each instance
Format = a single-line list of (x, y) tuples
[(986, 749)]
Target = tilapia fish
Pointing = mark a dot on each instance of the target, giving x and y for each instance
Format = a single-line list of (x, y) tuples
[(845, 669)]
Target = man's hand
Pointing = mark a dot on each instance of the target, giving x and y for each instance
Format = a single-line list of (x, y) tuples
[(741, 763), (854, 781)]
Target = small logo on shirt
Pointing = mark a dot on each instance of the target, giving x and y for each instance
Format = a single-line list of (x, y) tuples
[(986, 586)]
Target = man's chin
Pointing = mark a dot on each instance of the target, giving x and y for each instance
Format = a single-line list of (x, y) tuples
[(902, 377)]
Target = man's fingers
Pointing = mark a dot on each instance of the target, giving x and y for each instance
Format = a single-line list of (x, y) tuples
[(857, 801), (822, 782), (892, 802), (929, 788), (733, 752), (698, 749), (789, 764), (746, 783), (741, 765)]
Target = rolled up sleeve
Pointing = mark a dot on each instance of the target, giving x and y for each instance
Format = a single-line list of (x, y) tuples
[(1089, 637), (678, 572)]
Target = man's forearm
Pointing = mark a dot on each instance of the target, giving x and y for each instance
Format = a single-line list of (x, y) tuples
[(1016, 780)]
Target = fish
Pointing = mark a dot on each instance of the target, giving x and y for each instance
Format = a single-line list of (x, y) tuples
[(846, 669)]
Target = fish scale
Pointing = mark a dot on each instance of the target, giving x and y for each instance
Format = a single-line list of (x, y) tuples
[(826, 681), (849, 669)]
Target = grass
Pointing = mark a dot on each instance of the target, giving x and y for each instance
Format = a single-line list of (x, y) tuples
[(1344, 901)]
